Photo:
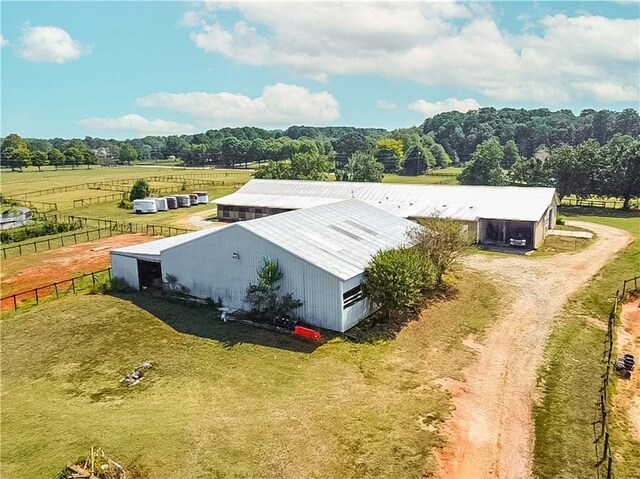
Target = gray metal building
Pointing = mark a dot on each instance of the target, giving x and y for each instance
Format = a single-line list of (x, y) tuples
[(492, 214), (322, 252)]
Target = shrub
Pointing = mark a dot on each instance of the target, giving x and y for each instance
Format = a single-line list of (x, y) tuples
[(140, 190), (264, 297), (442, 241), (560, 220), (397, 279), (36, 229)]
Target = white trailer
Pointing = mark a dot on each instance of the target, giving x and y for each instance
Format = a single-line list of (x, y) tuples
[(145, 206), (161, 204)]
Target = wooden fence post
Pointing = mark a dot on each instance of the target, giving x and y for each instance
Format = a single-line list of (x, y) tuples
[(37, 299), (55, 285), (73, 285), (15, 303)]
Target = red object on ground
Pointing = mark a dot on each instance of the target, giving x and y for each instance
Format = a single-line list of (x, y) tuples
[(308, 333)]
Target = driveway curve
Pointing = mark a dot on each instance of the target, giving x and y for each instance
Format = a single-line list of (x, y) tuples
[(490, 434)]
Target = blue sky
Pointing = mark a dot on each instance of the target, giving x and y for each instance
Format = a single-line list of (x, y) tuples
[(128, 69)]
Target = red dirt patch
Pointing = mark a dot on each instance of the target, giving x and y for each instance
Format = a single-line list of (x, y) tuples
[(627, 395), (40, 269)]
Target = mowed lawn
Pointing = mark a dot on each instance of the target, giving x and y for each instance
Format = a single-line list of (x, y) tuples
[(228, 400), (571, 376)]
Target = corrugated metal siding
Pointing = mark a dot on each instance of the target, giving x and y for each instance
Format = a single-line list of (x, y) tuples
[(207, 267), (125, 268), (357, 312)]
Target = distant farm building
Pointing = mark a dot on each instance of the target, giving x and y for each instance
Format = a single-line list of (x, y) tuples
[(15, 217), (492, 214), (322, 252)]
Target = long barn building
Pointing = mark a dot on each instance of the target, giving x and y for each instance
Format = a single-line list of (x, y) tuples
[(322, 252), (492, 214)]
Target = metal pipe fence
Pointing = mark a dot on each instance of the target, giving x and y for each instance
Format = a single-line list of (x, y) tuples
[(56, 290), (602, 441)]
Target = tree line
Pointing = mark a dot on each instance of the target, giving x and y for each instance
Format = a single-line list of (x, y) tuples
[(461, 133), (610, 170)]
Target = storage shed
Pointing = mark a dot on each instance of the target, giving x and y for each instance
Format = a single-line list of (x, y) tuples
[(491, 214), (322, 252)]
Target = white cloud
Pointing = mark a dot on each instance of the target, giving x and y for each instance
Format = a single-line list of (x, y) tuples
[(137, 124), (279, 105), (386, 105), (3, 41), (439, 44), (51, 45), (428, 109)]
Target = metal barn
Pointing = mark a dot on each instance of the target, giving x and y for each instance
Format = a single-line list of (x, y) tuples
[(492, 214), (322, 252)]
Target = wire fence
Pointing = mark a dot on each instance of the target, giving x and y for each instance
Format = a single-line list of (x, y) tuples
[(602, 442), (85, 282)]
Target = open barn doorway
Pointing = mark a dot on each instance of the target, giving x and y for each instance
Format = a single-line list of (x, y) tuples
[(149, 274)]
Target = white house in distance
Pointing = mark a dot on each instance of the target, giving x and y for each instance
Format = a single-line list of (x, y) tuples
[(493, 214), (321, 250)]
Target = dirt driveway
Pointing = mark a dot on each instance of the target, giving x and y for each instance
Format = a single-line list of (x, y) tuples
[(491, 431)]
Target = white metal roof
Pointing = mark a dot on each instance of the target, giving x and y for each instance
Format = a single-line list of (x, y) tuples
[(339, 238), (155, 248), (415, 201)]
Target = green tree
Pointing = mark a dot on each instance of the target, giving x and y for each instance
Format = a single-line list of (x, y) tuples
[(511, 154), (484, 167), (362, 167), (128, 153), (56, 158), (74, 156), (396, 280), (622, 178), (417, 161), (442, 241), (139, 190), (440, 155), (274, 170), (346, 145), (39, 159), (310, 166), (389, 152), (17, 158), (264, 296), (15, 152)]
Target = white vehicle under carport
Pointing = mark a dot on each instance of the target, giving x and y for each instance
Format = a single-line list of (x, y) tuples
[(520, 237)]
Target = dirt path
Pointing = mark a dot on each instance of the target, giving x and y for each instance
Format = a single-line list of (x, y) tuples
[(491, 432), (627, 396)]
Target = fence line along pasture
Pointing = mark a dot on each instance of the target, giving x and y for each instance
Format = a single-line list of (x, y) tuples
[(96, 199), (149, 229), (37, 246), (57, 289), (97, 185), (614, 203), (602, 442), (43, 206)]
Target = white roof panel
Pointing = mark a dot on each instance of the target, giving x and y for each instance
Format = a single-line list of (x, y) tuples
[(155, 248), (458, 202), (339, 238)]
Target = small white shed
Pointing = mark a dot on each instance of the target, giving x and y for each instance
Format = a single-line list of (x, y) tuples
[(322, 252)]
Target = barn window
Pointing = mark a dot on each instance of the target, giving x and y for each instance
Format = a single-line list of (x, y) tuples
[(351, 297)]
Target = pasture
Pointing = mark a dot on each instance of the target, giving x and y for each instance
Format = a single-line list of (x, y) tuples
[(227, 400)]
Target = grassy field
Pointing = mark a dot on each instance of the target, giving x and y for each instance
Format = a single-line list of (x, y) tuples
[(32, 180), (570, 378), (227, 400)]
